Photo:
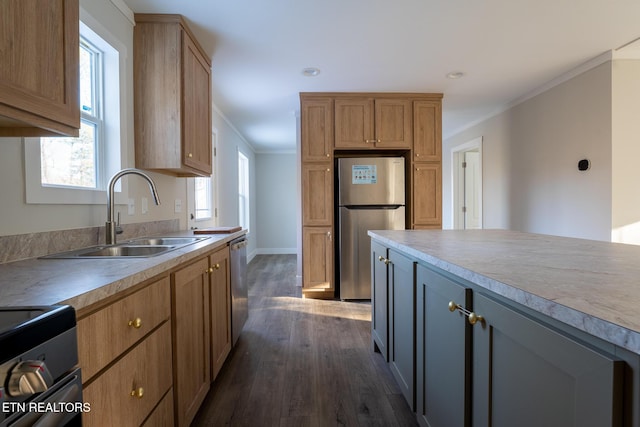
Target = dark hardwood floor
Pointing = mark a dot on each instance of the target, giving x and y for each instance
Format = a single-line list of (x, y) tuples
[(302, 362)]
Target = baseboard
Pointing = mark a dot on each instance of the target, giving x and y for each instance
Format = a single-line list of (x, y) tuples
[(276, 251)]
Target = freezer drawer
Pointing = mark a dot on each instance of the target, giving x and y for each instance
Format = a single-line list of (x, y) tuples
[(355, 246)]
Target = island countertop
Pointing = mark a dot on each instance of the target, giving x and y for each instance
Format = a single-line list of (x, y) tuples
[(593, 286)]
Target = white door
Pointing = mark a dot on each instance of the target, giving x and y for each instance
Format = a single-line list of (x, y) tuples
[(467, 185), (472, 192)]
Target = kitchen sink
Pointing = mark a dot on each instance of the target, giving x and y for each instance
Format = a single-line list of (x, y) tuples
[(127, 251), (143, 247), (166, 240)]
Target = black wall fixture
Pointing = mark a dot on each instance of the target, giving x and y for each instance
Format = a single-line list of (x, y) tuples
[(584, 164)]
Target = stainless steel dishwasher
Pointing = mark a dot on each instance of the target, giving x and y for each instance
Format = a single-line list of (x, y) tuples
[(239, 291)]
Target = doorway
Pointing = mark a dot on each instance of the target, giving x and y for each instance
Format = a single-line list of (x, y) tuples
[(467, 185)]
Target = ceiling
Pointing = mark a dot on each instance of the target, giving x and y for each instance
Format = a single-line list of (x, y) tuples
[(505, 49)]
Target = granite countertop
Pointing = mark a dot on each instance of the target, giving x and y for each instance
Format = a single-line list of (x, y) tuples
[(591, 285), (83, 282)]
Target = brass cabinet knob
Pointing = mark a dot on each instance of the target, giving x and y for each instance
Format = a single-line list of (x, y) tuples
[(385, 260), (328, 155), (475, 318), (217, 266), (472, 317), (209, 270), (136, 323), (138, 392), (190, 155)]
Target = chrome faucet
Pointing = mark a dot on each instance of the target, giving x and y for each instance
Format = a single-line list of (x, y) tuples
[(110, 237)]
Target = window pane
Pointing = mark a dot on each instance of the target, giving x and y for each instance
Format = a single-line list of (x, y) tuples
[(86, 80), (70, 161), (203, 198)]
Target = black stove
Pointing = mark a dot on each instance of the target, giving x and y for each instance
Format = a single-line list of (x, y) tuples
[(39, 381)]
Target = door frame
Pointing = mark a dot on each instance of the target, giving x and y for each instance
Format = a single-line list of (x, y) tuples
[(457, 181)]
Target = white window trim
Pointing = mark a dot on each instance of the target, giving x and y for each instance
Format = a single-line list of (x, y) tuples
[(247, 206), (117, 113)]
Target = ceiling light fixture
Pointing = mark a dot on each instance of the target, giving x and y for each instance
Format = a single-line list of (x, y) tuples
[(455, 75), (310, 71)]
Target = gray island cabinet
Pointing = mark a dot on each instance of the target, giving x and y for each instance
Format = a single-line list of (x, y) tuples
[(496, 327)]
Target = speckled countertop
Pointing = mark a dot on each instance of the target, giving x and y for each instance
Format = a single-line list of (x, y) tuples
[(591, 285), (83, 282)]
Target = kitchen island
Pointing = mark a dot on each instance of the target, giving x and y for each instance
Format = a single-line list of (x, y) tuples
[(495, 312)]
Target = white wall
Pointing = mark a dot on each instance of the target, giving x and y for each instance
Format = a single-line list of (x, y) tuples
[(229, 142), (626, 152), (530, 155), (277, 202)]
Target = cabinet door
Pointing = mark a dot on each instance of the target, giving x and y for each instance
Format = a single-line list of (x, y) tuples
[(393, 123), (427, 194), (524, 370), (317, 258), (317, 129), (443, 356), (196, 128), (379, 299), (401, 323), (191, 339), (427, 134), (220, 310), (317, 194), (39, 83), (354, 123)]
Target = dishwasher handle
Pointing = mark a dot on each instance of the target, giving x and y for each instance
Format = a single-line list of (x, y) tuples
[(239, 245)]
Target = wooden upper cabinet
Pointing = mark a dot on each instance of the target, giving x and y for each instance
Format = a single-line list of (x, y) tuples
[(172, 88), (393, 123), (39, 84), (427, 195), (317, 129), (373, 123), (427, 143), (354, 123)]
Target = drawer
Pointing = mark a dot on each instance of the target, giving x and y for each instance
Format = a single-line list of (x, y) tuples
[(107, 333), (126, 393), (162, 416)]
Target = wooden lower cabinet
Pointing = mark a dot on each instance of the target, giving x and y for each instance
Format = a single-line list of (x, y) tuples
[(526, 371), (317, 260), (130, 389), (380, 299), (191, 339), (162, 416), (402, 323), (443, 345), (220, 302)]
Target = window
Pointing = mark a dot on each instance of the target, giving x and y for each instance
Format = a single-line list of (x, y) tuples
[(62, 170), (202, 189), (243, 190), (73, 162)]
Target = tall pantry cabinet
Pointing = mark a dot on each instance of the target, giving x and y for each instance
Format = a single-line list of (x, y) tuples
[(337, 125)]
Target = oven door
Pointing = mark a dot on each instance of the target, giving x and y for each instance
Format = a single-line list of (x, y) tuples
[(60, 405)]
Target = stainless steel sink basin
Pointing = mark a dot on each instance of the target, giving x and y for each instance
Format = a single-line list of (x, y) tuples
[(143, 247), (166, 240), (127, 251)]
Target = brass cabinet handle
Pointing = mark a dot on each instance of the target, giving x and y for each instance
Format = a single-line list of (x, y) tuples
[(138, 392), (385, 260), (472, 317), (136, 323)]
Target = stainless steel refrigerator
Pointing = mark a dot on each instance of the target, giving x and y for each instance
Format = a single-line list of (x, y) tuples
[(371, 196)]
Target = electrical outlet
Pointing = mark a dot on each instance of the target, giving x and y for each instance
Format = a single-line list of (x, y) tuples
[(131, 207), (145, 206), (177, 207)]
